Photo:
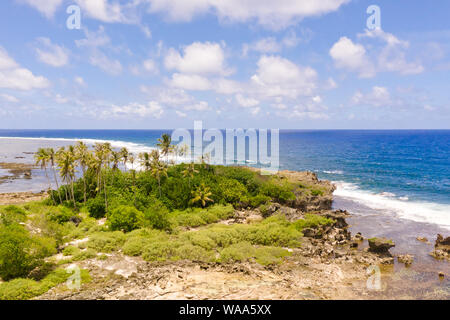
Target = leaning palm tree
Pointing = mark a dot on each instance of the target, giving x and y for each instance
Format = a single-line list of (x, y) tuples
[(190, 172), (165, 145), (107, 152), (83, 157), (158, 170), (42, 158), (52, 158), (201, 195)]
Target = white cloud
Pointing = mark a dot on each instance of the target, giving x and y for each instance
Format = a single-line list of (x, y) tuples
[(12, 76), (265, 45), (190, 82), (348, 55), (46, 7), (181, 114), (200, 106), (148, 66), (198, 58), (108, 65), (152, 109), (279, 77), (110, 12), (389, 58), (94, 41), (246, 102), (9, 98), (378, 97), (272, 14), (52, 54)]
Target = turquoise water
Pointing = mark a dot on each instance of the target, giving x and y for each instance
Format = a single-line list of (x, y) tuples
[(403, 171)]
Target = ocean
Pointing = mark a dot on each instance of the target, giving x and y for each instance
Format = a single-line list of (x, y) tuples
[(405, 173)]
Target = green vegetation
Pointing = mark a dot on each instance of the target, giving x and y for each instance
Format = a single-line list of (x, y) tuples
[(150, 213)]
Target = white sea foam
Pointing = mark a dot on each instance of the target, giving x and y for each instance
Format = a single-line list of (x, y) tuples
[(419, 211), (334, 171), (133, 147)]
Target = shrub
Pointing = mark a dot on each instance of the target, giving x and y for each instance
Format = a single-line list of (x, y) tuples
[(23, 289), (194, 253), (12, 214), (270, 255), (84, 254), (106, 241), (96, 207), (125, 218), (231, 191), (70, 251), (259, 200), (159, 251), (157, 217), (237, 252), (312, 221), (278, 189), (135, 246), (20, 253), (60, 214)]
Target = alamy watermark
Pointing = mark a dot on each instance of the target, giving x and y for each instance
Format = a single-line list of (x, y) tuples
[(74, 280), (374, 281), (374, 20), (232, 146), (74, 19)]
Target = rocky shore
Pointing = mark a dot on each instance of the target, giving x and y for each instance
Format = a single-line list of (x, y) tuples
[(331, 263)]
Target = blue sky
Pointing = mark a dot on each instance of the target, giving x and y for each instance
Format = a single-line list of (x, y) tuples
[(289, 64)]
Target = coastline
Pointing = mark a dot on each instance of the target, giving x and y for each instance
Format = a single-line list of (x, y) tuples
[(318, 270), (318, 276)]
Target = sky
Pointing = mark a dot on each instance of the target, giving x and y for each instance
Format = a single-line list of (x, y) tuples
[(162, 64)]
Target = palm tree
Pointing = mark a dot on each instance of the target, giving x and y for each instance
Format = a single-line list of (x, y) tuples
[(165, 145), (183, 150), (201, 195), (52, 157), (106, 152), (66, 163), (116, 158), (42, 157), (83, 157), (131, 160), (190, 172), (159, 169), (145, 161), (125, 156)]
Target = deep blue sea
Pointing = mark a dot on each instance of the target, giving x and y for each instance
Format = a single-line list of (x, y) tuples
[(405, 171)]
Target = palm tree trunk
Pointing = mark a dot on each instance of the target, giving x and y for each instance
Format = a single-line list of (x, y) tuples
[(159, 184), (73, 195), (49, 184), (84, 183), (57, 185)]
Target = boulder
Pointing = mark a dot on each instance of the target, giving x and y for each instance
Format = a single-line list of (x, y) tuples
[(407, 259), (441, 248), (380, 245), (422, 239)]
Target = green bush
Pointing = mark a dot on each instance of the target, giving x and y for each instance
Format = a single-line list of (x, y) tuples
[(237, 252), (278, 189), (60, 214), (125, 218), (70, 251), (20, 253), (159, 251), (96, 207), (230, 191), (12, 214), (194, 253), (312, 221), (106, 241), (259, 200), (157, 217), (81, 255)]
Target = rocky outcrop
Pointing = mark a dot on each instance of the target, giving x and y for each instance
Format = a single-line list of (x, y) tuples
[(441, 248), (307, 201), (407, 259), (381, 246)]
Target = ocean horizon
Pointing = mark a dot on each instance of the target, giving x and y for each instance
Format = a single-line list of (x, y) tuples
[(405, 173)]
